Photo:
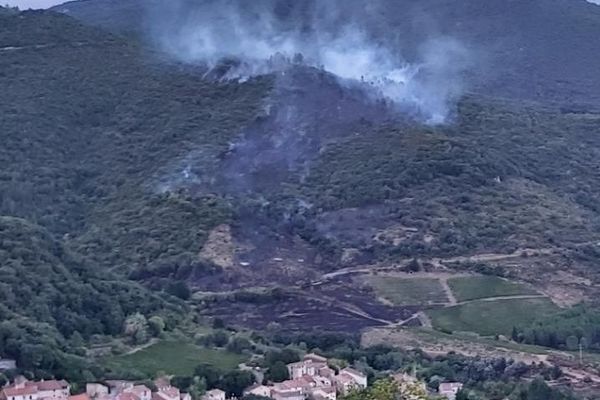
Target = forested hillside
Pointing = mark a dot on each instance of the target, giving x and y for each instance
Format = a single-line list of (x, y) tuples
[(79, 182), (129, 180)]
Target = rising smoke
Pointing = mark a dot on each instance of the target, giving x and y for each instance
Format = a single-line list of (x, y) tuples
[(264, 36)]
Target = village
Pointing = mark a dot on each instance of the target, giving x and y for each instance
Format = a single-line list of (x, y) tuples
[(312, 378)]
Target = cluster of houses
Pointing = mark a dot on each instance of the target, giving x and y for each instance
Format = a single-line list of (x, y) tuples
[(312, 379), (309, 379), (23, 389)]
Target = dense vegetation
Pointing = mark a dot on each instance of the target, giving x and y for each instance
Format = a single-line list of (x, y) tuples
[(52, 301), (100, 148), (87, 136), (100, 137), (565, 330)]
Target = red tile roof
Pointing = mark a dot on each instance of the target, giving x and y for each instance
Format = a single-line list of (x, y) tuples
[(22, 391), (170, 391), (82, 396), (127, 396), (52, 385)]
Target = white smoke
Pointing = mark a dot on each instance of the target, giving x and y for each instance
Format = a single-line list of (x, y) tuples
[(261, 44)]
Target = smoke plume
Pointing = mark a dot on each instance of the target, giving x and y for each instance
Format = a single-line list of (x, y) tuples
[(265, 36)]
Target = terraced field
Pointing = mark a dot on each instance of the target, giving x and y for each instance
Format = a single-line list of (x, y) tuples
[(409, 291), (466, 288), (491, 317), (173, 357)]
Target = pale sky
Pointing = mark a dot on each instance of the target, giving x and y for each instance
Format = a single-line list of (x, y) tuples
[(25, 4)]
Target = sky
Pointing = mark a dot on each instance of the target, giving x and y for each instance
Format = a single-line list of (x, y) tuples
[(25, 4)]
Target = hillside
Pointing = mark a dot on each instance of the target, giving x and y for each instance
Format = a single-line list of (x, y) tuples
[(127, 177), (543, 50), (52, 301), (80, 172)]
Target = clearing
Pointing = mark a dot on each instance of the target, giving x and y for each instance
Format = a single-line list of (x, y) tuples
[(467, 288), (173, 358), (409, 291), (491, 317)]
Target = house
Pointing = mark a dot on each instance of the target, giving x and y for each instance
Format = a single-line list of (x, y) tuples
[(323, 393), (310, 366), (58, 390), (326, 372), (298, 369), (258, 390), (315, 358), (162, 382), (168, 393), (82, 396), (215, 394), (450, 389), (23, 389), (286, 394), (95, 390), (349, 379), (322, 381), (126, 396), (118, 386), (359, 378), (20, 393), (141, 391)]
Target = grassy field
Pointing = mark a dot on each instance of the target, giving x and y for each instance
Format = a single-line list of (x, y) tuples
[(481, 287), (409, 291), (488, 318), (178, 358)]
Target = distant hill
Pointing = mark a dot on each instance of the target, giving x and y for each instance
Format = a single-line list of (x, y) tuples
[(543, 50)]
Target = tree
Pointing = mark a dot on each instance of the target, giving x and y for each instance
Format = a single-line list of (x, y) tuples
[(179, 289), (572, 343), (218, 323), (3, 380), (156, 325), (462, 395), (234, 382), (539, 390), (238, 345), (134, 323), (77, 340), (209, 373), (220, 338), (413, 266), (278, 372), (286, 356), (182, 382)]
